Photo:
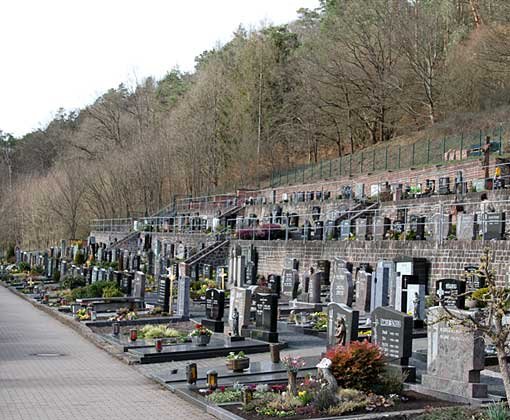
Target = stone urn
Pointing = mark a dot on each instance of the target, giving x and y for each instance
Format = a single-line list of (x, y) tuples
[(201, 340), (238, 365)]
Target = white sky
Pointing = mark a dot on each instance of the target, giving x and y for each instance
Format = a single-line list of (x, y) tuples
[(65, 53)]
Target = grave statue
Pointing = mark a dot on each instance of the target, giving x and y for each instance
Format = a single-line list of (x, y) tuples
[(235, 323), (341, 331), (324, 374), (416, 304), (292, 317)]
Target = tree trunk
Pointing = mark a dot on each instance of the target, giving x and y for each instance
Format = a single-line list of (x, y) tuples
[(503, 367)]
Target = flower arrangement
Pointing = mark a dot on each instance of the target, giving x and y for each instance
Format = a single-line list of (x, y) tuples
[(293, 364), (200, 330), (236, 356)]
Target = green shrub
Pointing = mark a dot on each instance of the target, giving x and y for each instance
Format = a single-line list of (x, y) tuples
[(79, 258), (112, 291), (356, 365), (72, 282), (56, 276), (497, 412), (38, 269), (391, 381), (96, 289), (158, 331), (451, 413), (226, 396), (480, 295), (23, 266)]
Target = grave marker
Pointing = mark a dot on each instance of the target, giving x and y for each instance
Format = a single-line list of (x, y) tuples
[(342, 324)]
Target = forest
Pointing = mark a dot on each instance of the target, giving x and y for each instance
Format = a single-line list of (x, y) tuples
[(345, 76)]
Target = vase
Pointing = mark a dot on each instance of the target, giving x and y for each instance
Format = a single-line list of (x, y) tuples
[(201, 340), (292, 387)]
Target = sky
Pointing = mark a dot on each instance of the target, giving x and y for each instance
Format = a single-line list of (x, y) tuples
[(66, 53)]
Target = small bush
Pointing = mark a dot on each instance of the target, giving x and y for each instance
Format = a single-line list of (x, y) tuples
[(356, 365), (391, 381), (56, 276), (23, 266), (112, 291), (158, 331), (72, 282), (497, 412), (79, 258)]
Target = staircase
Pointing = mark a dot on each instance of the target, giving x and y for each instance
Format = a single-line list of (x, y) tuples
[(217, 251), (126, 240)]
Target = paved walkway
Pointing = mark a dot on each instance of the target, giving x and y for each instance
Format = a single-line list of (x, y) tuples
[(84, 382)]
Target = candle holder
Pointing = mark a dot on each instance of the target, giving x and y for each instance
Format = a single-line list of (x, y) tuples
[(133, 334), (191, 374), (159, 345), (115, 328), (247, 394), (212, 379)]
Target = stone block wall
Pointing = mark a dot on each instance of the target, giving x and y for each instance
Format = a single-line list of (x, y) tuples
[(447, 260)]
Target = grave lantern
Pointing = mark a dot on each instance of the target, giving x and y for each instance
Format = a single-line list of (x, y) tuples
[(275, 352), (115, 328), (247, 395), (212, 379), (159, 345), (133, 334), (191, 373)]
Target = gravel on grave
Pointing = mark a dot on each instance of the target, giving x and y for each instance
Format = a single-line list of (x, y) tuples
[(185, 327)]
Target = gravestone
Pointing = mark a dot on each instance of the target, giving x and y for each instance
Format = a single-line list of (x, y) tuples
[(139, 285), (63, 269), (183, 296), (290, 263), (345, 229), (235, 251), (240, 298), (361, 229), (342, 324), (207, 271), (407, 266), (473, 281), (455, 357), (381, 227), (493, 226), (214, 310), (266, 318), (341, 285), (126, 285), (466, 226), (363, 291), (163, 300), (240, 270), (251, 273), (325, 267), (314, 289), (440, 226), (275, 284), (382, 283), (95, 272), (450, 293), (221, 277), (290, 283), (392, 331), (180, 252)]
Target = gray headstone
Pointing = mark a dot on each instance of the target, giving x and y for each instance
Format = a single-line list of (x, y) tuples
[(336, 313), (183, 296), (493, 226), (440, 226), (314, 289), (381, 284), (241, 270), (455, 357), (466, 226), (290, 283), (381, 226), (139, 285), (363, 291), (240, 298), (341, 286), (361, 229)]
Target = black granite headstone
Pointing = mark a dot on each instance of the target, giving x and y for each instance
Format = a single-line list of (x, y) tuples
[(164, 293), (451, 293), (275, 284), (214, 310)]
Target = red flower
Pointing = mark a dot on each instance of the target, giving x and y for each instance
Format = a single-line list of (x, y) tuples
[(198, 326)]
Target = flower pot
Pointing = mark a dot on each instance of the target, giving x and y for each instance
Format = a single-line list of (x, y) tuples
[(238, 365), (201, 340)]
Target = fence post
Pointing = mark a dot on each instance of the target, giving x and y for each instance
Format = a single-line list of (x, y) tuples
[(350, 164), (398, 161), (373, 161), (361, 163), (500, 138), (412, 162), (428, 151), (288, 177), (311, 175), (304, 174), (461, 144), (330, 167), (386, 159), (444, 148), (320, 177), (340, 166), (480, 140)]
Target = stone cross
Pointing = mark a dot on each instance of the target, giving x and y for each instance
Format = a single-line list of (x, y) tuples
[(172, 278)]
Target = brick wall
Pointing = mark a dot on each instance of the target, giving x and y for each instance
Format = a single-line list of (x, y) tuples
[(447, 260)]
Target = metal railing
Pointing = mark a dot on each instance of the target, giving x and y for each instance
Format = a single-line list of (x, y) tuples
[(112, 225), (394, 157)]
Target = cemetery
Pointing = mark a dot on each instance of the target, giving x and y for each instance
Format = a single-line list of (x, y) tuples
[(299, 301)]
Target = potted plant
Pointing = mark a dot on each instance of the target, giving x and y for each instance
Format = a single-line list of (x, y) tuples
[(201, 336), (238, 362)]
